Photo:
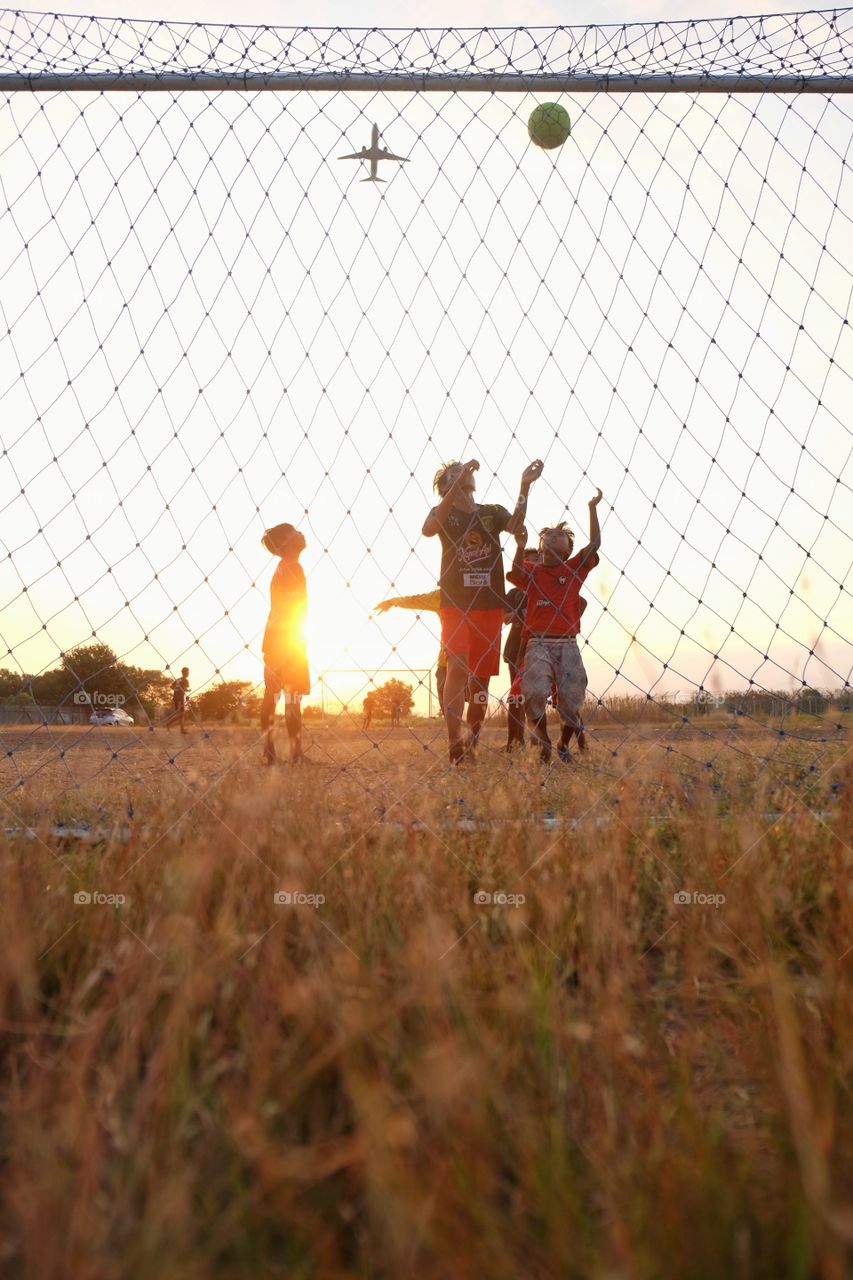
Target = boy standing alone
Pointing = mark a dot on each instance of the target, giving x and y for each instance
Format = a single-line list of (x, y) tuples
[(285, 659)]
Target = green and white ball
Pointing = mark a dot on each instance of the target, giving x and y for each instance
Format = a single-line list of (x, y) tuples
[(549, 125)]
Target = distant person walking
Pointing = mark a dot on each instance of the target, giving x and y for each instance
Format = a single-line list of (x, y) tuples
[(180, 695)]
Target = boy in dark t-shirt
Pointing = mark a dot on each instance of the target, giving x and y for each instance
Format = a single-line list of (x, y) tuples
[(551, 627), (285, 659), (471, 583)]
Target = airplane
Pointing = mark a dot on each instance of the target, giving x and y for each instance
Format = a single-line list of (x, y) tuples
[(374, 153)]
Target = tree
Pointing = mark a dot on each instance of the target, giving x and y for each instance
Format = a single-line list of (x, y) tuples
[(153, 688), (94, 668), (222, 700), (390, 694), (13, 685), (90, 673)]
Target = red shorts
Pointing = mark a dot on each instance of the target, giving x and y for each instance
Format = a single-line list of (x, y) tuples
[(474, 636)]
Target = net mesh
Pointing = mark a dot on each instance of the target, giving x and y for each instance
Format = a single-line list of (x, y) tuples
[(209, 324), (804, 44)]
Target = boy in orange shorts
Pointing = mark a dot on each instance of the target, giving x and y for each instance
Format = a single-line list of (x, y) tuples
[(473, 597)]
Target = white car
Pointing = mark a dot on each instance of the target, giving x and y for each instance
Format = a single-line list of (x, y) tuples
[(115, 715)]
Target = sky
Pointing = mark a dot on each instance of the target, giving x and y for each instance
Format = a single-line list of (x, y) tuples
[(212, 325)]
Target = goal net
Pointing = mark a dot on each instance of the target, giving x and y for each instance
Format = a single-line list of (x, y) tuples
[(210, 322)]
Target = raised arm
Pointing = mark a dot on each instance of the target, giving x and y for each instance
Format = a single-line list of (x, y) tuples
[(517, 574), (434, 522), (530, 474), (594, 530), (426, 602)]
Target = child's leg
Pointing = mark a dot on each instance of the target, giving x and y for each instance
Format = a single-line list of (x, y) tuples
[(536, 688), (515, 715), (478, 701), (454, 697), (293, 722), (571, 691), (271, 692), (484, 660), (440, 678)]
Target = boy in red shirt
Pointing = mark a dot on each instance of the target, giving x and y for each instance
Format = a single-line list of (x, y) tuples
[(285, 659), (551, 626), (472, 591)]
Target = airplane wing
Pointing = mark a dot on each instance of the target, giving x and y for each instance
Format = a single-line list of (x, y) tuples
[(358, 155), (386, 155)]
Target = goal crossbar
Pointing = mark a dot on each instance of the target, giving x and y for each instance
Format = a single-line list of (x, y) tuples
[(404, 82), (788, 53)]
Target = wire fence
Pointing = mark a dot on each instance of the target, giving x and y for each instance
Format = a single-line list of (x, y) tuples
[(209, 323)]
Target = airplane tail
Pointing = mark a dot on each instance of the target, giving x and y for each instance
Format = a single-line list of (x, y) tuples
[(374, 179)]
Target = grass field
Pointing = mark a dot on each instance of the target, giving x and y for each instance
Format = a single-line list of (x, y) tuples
[(585, 1076)]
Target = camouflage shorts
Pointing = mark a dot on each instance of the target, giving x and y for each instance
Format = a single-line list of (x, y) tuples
[(558, 663)]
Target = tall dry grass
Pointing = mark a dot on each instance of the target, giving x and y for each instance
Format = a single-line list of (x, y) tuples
[(598, 1082)]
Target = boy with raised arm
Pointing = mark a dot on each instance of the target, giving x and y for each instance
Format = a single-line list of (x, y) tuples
[(471, 583), (423, 602), (552, 623), (285, 659)]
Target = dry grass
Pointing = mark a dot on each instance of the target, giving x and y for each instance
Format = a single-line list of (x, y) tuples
[(598, 1082)]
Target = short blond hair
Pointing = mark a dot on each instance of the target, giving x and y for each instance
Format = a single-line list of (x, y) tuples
[(439, 480)]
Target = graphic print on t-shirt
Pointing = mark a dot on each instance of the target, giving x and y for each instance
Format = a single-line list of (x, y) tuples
[(471, 558), (475, 552)]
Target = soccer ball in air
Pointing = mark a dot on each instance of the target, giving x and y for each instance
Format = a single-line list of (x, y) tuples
[(549, 125)]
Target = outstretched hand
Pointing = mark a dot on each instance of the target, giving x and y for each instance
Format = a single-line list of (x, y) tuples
[(593, 502), (383, 606), (521, 536), (531, 472)]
